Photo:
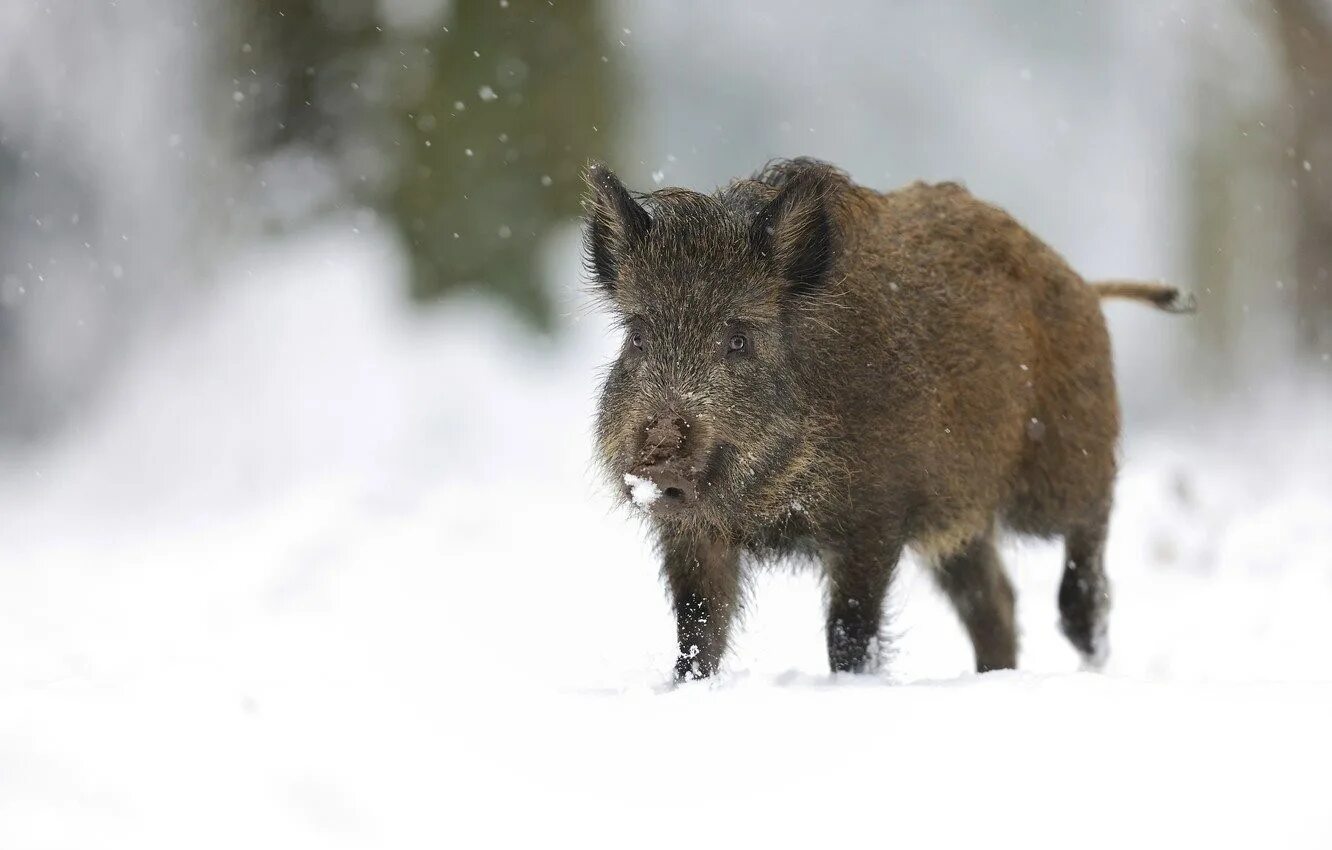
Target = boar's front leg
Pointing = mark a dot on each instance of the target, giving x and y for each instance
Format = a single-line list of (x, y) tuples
[(858, 577), (704, 579)]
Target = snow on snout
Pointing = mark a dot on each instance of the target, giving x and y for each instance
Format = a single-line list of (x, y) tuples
[(642, 491)]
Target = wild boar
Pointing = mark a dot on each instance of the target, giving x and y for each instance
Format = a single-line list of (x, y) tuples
[(813, 367)]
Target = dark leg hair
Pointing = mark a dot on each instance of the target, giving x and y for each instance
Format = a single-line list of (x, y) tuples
[(857, 583), (1084, 593), (975, 582), (704, 580)]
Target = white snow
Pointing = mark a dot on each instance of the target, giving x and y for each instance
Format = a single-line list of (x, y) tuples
[(280, 594), (642, 492)]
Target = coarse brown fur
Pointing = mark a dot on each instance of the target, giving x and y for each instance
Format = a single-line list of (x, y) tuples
[(810, 365)]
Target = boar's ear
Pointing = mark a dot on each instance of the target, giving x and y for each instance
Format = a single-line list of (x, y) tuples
[(616, 223), (795, 231)]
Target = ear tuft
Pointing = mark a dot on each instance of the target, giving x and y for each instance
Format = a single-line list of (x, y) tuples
[(796, 233), (616, 224)]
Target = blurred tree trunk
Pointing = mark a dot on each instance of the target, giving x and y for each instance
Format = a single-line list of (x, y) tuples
[(1304, 31), (494, 145), (1214, 160), (1239, 251), (466, 124), (310, 54)]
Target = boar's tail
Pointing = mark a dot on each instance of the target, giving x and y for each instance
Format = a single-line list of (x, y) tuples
[(1168, 298)]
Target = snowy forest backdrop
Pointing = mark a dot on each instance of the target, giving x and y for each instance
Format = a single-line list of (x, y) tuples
[(142, 143), (296, 381)]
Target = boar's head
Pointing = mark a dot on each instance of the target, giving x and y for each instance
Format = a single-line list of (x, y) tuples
[(707, 415)]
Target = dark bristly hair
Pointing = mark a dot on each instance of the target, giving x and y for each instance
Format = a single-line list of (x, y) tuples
[(812, 366)]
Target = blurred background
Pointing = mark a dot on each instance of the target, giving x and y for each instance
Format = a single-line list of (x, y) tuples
[(145, 144), (297, 373)]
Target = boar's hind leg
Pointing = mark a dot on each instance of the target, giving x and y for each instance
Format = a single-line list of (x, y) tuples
[(857, 583), (974, 581), (704, 579), (1084, 593)]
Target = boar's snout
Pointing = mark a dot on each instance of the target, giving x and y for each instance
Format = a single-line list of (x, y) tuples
[(666, 462), (664, 439)]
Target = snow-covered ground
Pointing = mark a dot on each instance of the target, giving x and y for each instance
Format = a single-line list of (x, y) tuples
[(323, 572)]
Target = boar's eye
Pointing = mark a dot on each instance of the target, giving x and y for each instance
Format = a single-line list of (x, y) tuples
[(636, 340), (739, 344)]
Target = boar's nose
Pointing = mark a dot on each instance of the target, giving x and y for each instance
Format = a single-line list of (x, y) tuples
[(664, 439)]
